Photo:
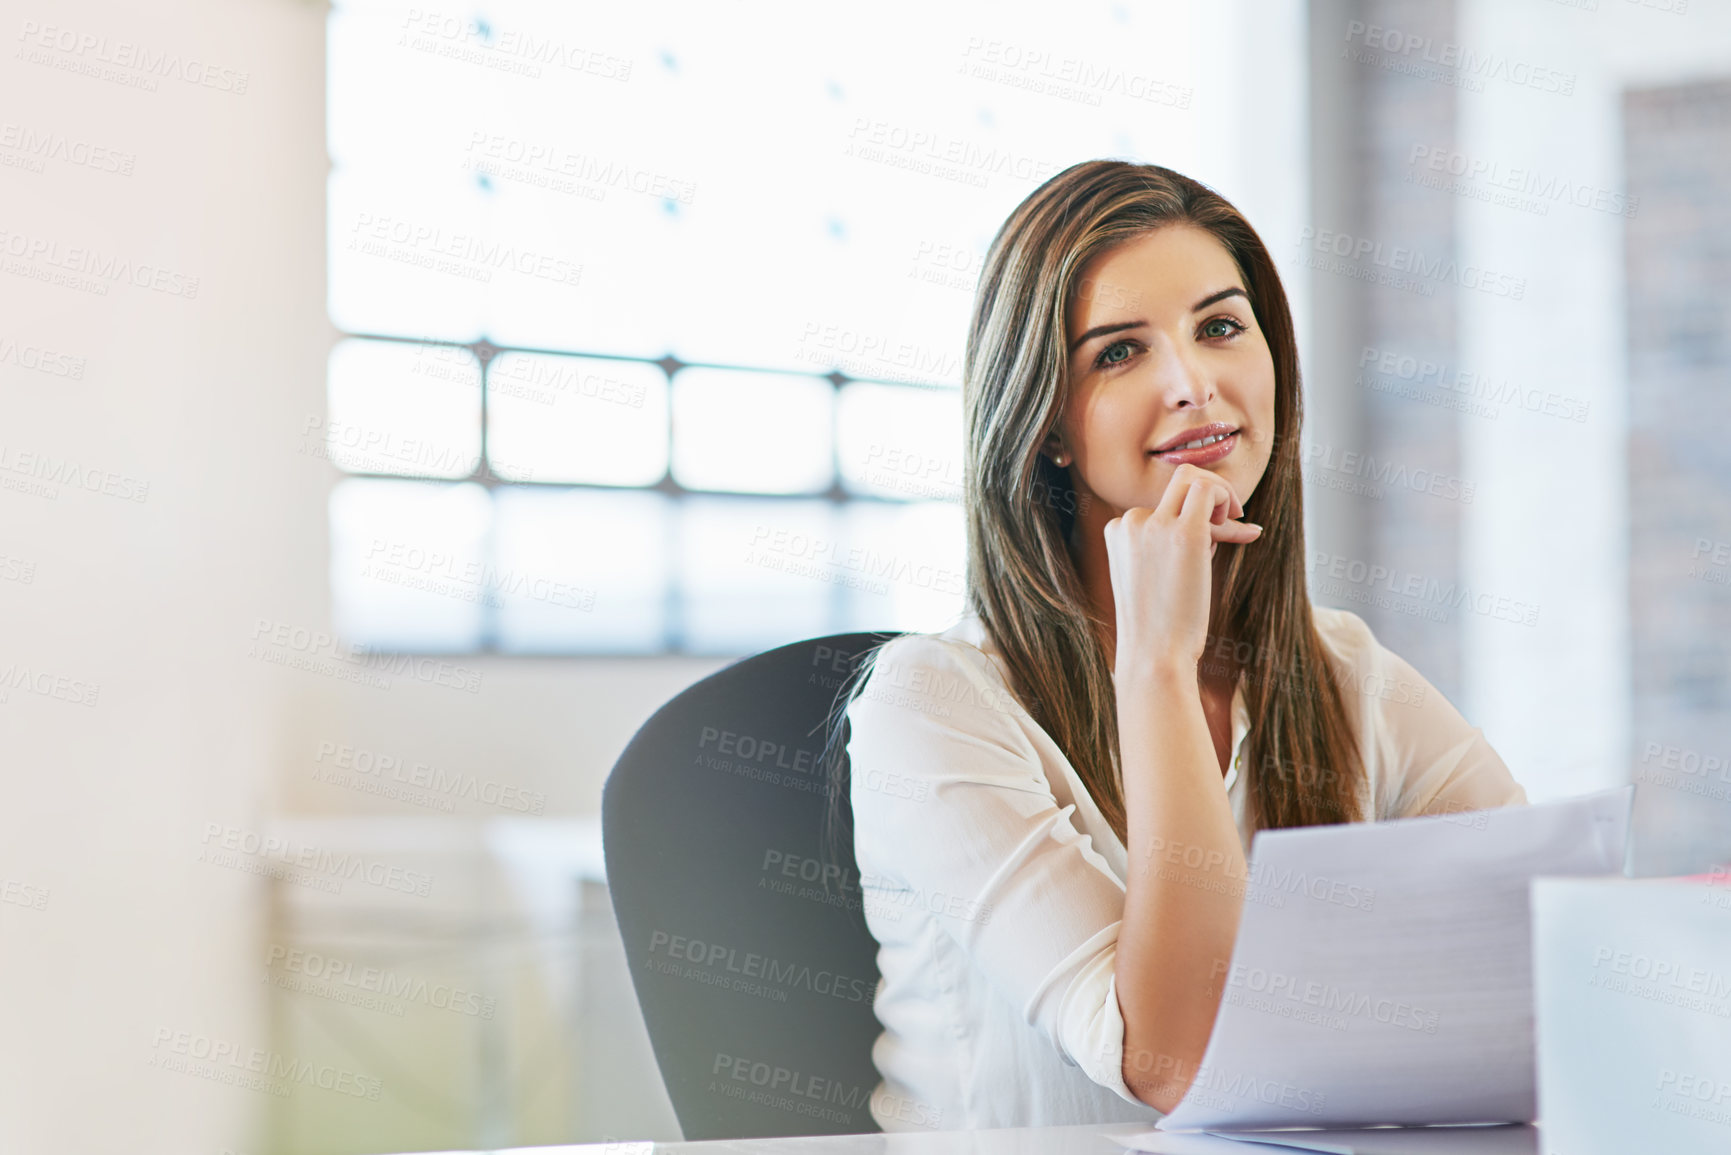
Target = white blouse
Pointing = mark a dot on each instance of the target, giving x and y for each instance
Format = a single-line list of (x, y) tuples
[(995, 889)]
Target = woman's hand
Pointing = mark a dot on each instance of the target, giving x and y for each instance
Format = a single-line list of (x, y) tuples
[(1162, 571)]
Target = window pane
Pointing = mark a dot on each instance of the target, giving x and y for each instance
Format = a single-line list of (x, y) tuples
[(407, 563), (600, 281), (753, 432), (399, 407), (755, 573), (408, 255), (912, 560), (901, 442), (582, 571), (576, 419)]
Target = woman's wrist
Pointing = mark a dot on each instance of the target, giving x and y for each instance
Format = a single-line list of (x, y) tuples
[(1156, 672)]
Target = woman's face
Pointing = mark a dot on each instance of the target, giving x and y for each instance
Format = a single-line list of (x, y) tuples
[(1163, 350)]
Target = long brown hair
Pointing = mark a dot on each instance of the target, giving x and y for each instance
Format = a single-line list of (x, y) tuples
[(1300, 760)]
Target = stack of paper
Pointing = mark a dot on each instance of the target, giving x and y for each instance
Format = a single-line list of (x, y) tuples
[(1383, 971), (1509, 1139)]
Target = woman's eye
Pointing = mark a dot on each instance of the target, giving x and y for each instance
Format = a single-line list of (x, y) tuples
[(1108, 357), (1217, 327)]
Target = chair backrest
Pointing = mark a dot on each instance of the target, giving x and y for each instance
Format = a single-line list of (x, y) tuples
[(748, 946)]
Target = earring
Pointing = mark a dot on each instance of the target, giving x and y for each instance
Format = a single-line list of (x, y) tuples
[(1061, 459)]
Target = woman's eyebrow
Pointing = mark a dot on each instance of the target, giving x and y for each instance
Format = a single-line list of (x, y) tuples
[(1102, 330), (1118, 326), (1212, 298)]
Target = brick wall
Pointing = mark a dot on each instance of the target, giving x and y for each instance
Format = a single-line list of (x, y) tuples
[(1677, 146)]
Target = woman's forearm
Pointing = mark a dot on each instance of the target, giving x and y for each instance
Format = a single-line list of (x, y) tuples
[(1184, 887)]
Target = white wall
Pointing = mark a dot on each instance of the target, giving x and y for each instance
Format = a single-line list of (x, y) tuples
[(152, 600), (156, 601), (1550, 524)]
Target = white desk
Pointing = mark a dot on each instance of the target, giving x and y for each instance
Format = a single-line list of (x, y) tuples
[(1089, 1139)]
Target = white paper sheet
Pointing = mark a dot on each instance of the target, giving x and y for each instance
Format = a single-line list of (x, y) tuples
[(1383, 973), (1633, 986), (1507, 1139)]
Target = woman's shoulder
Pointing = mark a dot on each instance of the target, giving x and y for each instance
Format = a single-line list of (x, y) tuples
[(953, 674), (963, 644), (1345, 633)]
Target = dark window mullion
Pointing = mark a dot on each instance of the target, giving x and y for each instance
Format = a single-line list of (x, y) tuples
[(675, 638), (490, 605)]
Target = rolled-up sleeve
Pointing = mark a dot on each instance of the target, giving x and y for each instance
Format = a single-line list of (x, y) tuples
[(953, 813), (1433, 760)]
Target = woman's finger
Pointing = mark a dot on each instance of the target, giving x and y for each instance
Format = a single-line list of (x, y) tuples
[(1207, 496), (1238, 531)]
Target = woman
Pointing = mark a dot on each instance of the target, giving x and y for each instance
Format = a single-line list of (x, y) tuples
[(1052, 798)]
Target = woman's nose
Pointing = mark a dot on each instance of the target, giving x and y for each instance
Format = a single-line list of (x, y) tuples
[(1181, 381)]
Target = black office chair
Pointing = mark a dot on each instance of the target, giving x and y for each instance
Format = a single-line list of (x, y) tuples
[(742, 921)]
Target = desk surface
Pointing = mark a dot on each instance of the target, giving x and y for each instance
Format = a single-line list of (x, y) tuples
[(1087, 1139)]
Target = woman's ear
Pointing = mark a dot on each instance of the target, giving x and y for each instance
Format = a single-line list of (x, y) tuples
[(1053, 447)]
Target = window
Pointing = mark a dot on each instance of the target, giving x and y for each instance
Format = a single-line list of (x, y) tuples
[(652, 331)]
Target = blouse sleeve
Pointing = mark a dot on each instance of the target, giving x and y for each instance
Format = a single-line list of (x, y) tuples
[(1432, 760), (950, 802)]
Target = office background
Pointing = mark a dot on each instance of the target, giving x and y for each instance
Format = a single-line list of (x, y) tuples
[(400, 404)]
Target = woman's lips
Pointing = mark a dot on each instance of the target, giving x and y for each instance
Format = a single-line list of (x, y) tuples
[(1203, 455)]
